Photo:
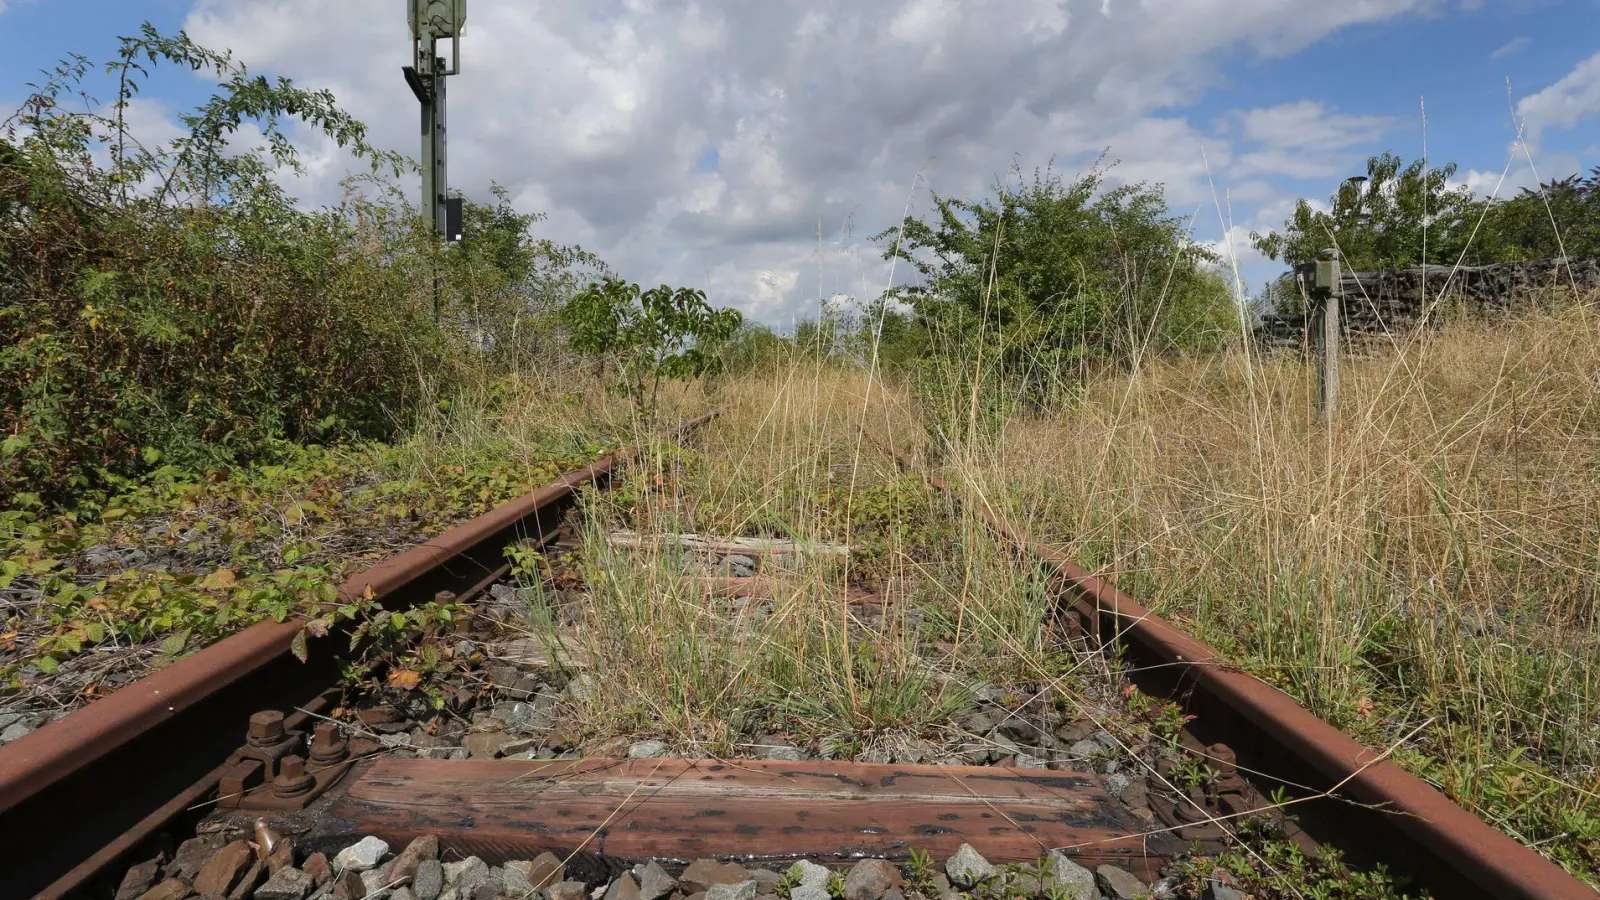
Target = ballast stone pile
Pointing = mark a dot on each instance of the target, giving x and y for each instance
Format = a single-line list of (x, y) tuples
[(367, 870)]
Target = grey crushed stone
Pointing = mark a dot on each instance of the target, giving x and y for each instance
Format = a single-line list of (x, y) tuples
[(968, 868), (1119, 884), (744, 890), (647, 750), (1218, 891), (654, 882), (288, 883), (1060, 870), (428, 883), (362, 855)]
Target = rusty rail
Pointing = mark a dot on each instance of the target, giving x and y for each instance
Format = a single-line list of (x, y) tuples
[(78, 793), (1395, 818)]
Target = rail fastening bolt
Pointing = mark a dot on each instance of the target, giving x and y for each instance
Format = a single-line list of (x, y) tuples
[(266, 728), (326, 746), (292, 780)]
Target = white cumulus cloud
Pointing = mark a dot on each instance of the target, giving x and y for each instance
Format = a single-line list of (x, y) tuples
[(818, 117)]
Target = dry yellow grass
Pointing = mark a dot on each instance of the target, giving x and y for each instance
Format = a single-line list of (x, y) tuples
[(790, 459), (1432, 558)]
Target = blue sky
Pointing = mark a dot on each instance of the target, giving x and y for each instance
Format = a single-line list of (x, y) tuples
[(750, 148)]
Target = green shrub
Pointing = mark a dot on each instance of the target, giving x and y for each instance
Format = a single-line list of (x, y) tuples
[(172, 304)]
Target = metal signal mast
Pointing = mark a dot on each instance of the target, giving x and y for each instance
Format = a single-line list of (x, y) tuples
[(432, 23)]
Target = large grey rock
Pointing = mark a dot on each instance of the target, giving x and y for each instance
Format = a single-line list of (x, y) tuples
[(744, 890), (428, 883), (138, 879), (809, 874), (767, 881), (288, 883), (624, 888), (16, 731), (967, 868), (362, 855), (583, 688), (870, 879), (1028, 761), (647, 750), (1084, 750), (809, 892), (779, 749), (567, 890), (515, 882), (701, 874), (516, 715), (654, 882), (485, 744), (1118, 884), (466, 876), (1216, 890), (1062, 872), (373, 885)]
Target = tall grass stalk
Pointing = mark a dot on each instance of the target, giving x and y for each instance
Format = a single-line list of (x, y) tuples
[(1432, 558)]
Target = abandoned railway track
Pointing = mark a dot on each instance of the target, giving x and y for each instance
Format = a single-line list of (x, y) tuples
[(158, 786)]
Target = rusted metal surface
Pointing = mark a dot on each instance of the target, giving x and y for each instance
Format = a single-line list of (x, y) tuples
[(103, 776), (677, 809), (284, 768), (1446, 848), (173, 809)]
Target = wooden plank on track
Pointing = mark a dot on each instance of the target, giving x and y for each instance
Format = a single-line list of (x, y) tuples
[(750, 809)]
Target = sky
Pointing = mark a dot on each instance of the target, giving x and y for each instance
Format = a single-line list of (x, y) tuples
[(751, 149)]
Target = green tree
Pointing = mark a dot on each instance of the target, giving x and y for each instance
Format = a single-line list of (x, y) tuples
[(1525, 226), (1379, 222), (1050, 276), (649, 335)]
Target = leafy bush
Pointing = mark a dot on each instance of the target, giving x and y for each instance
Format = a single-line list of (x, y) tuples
[(171, 304), (1403, 214), (649, 335), (1050, 278)]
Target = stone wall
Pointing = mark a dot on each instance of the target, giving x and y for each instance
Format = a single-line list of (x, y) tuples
[(1393, 301)]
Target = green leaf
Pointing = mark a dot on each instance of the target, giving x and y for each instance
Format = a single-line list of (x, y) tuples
[(298, 646), (47, 665)]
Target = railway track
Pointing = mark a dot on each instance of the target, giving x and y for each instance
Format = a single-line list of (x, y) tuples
[(191, 757)]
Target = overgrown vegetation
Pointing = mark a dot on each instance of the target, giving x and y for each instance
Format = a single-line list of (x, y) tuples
[(173, 305), (1046, 281), (193, 368), (1422, 575), (648, 336), (1403, 214)]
